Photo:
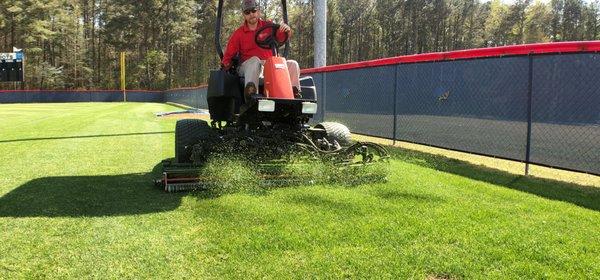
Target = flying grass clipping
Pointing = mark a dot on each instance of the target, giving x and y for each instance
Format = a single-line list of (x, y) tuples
[(223, 174)]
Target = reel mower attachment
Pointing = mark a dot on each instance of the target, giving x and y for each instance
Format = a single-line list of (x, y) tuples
[(362, 153), (268, 159)]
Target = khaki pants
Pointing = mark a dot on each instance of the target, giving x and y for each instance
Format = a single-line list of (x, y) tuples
[(252, 69)]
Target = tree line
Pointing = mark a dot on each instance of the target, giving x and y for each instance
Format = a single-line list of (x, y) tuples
[(75, 44)]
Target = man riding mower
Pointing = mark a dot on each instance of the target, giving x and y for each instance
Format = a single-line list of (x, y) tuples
[(263, 119), (248, 44)]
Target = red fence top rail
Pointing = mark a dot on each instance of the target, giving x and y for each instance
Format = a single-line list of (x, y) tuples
[(540, 48)]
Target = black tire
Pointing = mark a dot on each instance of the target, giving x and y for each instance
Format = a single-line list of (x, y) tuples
[(189, 132), (336, 131)]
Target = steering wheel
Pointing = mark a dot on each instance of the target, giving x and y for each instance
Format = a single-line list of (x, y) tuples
[(268, 40)]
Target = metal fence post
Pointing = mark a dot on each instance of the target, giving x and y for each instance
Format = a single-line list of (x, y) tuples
[(324, 85), (395, 104), (529, 97)]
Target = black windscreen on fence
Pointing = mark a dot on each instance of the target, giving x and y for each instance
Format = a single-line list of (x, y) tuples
[(363, 99), (478, 106), (195, 97), (56, 96), (565, 128)]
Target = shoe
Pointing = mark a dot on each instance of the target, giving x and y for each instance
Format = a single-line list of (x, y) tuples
[(297, 92), (249, 90)]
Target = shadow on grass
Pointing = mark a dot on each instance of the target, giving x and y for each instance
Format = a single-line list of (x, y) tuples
[(88, 196), (84, 136), (118, 195), (398, 195), (132, 194), (584, 196)]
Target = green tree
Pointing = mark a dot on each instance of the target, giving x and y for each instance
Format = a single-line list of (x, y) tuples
[(591, 21), (572, 26), (517, 18), (557, 19), (536, 23), (497, 27)]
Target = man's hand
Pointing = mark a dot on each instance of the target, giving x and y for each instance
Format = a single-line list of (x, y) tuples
[(284, 28), (225, 67)]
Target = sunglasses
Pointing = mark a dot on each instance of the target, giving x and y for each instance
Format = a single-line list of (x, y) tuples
[(247, 12)]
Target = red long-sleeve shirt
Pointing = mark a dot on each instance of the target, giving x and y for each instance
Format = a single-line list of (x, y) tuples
[(242, 42)]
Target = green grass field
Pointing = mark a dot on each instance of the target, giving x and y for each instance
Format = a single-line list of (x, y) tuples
[(77, 201)]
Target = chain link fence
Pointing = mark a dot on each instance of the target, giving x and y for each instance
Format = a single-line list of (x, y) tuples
[(541, 109), (56, 96), (193, 97), (565, 125), (479, 106), (362, 99)]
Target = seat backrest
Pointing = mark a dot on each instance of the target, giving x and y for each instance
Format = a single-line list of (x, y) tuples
[(309, 90), (223, 95)]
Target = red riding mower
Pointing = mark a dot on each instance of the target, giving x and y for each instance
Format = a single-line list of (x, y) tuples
[(266, 128)]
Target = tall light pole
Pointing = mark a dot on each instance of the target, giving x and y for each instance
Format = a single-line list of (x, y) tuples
[(320, 33)]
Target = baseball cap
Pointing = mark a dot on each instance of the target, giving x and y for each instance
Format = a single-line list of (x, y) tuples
[(249, 4)]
